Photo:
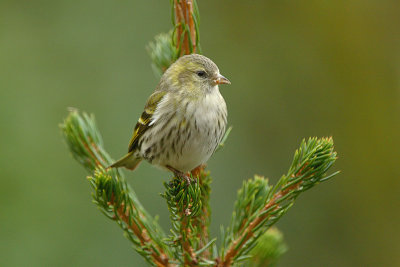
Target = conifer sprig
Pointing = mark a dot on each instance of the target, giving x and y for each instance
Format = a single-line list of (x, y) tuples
[(259, 206), (183, 39), (249, 239), (189, 213), (111, 193)]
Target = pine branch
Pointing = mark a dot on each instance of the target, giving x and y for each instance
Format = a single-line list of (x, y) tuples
[(188, 206), (184, 39), (190, 230), (202, 222), (259, 205), (183, 203), (186, 25), (111, 193), (162, 52)]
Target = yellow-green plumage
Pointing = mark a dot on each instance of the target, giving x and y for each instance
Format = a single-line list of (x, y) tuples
[(184, 119)]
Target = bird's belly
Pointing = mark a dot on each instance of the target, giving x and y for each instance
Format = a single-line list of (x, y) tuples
[(189, 139), (184, 148), (195, 150)]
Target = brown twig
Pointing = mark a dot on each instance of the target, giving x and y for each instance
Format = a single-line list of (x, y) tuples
[(248, 231), (184, 16), (97, 161), (202, 221), (188, 251), (192, 28), (160, 259), (186, 235)]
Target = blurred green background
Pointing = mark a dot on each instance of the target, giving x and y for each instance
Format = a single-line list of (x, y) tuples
[(298, 69)]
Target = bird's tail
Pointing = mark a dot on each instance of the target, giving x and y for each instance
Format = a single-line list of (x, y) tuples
[(129, 161)]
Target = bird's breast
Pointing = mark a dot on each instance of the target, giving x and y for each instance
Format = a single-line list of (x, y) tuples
[(186, 137)]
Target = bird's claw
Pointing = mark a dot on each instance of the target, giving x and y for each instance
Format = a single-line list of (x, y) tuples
[(181, 175)]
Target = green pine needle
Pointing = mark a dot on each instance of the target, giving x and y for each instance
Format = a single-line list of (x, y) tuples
[(111, 193), (259, 206)]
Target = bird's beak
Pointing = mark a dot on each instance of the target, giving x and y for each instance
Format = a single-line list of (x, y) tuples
[(221, 80)]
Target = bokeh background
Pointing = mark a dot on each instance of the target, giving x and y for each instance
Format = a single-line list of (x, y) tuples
[(298, 69)]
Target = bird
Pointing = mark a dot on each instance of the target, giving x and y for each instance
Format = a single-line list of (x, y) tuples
[(183, 121)]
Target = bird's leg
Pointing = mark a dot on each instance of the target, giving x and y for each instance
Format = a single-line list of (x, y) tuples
[(179, 174)]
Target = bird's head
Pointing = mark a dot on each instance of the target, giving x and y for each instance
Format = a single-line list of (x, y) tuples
[(194, 73)]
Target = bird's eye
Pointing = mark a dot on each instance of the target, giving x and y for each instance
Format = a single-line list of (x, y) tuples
[(201, 73)]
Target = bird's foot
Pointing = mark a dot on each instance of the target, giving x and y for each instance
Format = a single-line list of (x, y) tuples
[(181, 175)]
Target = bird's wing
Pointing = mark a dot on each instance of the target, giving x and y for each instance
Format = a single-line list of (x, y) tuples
[(144, 121)]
